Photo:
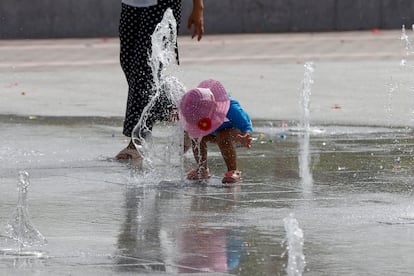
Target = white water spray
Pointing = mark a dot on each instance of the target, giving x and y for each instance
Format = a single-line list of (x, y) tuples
[(305, 96), (295, 241), (408, 46), (20, 227), (166, 88), (304, 156), (406, 61)]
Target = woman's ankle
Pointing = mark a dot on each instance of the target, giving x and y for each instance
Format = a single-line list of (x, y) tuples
[(131, 145)]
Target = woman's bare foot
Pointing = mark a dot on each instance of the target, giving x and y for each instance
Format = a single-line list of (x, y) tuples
[(128, 153)]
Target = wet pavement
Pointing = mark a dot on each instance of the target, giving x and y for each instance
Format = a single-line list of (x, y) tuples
[(61, 116)]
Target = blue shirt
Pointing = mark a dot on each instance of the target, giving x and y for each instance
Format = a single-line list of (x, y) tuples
[(237, 118)]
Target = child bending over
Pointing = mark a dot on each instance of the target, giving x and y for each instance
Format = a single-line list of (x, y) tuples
[(208, 114)]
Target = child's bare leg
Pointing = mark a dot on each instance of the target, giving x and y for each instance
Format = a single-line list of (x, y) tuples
[(200, 155), (187, 142), (200, 150), (226, 140)]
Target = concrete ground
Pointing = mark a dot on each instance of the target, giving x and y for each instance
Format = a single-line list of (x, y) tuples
[(61, 109), (358, 78)]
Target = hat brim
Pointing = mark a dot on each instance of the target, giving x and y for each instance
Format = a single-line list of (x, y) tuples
[(217, 119)]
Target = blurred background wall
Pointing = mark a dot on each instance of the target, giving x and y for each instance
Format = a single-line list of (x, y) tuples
[(99, 18)]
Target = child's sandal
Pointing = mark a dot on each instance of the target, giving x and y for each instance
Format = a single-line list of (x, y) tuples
[(231, 177), (197, 174)]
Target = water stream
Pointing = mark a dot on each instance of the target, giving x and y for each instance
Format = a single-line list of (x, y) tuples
[(162, 143), (20, 229), (304, 157), (295, 240)]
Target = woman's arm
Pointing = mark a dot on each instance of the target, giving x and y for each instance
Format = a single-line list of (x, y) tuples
[(197, 19)]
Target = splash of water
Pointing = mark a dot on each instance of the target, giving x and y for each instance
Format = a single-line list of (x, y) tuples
[(304, 157), (20, 227), (393, 86), (166, 89), (408, 46), (295, 241), (306, 93), (409, 51)]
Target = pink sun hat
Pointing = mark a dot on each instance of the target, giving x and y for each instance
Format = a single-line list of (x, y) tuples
[(204, 109)]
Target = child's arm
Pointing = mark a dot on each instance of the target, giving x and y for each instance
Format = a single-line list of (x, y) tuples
[(238, 117), (242, 121)]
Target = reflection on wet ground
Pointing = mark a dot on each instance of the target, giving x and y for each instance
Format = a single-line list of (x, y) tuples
[(102, 217)]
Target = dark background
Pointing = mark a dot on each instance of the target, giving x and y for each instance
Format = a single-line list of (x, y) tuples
[(99, 18)]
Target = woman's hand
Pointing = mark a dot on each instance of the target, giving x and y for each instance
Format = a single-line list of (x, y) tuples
[(196, 20)]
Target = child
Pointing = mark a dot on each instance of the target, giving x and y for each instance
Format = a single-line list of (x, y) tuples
[(208, 114)]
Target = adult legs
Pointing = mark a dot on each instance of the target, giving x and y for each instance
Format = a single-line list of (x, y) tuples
[(135, 30)]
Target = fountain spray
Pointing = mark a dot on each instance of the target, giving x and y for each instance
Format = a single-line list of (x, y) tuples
[(20, 227)]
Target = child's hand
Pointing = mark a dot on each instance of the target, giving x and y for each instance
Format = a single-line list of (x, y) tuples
[(245, 139)]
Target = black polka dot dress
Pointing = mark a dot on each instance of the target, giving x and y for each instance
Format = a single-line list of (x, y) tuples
[(135, 30)]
